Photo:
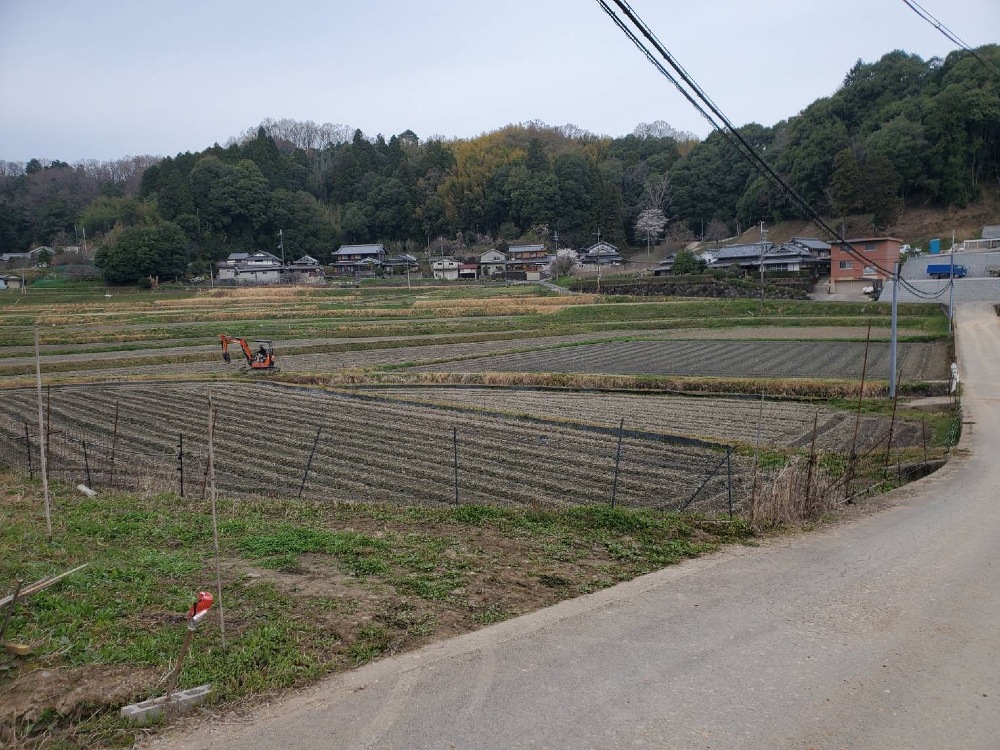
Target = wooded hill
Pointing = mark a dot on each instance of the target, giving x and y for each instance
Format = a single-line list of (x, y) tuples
[(899, 131)]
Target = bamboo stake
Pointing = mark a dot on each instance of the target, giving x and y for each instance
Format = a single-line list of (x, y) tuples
[(44, 583), (618, 458), (41, 441), (215, 522), (10, 609)]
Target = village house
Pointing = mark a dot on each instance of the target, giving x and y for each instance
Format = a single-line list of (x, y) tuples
[(10, 282), (305, 270), (526, 262), (870, 264), (492, 264), (445, 269), (29, 257), (601, 254), (796, 255), (358, 260), (403, 263), (262, 267)]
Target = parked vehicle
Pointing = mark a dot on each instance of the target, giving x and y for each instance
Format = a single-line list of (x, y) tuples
[(944, 270)]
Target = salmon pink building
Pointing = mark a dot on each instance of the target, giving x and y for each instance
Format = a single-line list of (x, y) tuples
[(872, 261)]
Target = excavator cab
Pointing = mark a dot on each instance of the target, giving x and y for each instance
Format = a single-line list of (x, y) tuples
[(259, 354)]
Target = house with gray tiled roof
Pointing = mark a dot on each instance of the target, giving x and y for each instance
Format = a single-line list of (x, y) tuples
[(601, 254), (526, 262), (262, 267)]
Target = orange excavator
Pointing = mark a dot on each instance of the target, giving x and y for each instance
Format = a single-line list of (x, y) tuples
[(261, 359)]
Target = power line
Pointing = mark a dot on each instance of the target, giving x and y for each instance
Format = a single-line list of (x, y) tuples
[(718, 120), (949, 34)]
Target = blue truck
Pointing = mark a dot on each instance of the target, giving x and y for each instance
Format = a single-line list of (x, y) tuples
[(944, 270)]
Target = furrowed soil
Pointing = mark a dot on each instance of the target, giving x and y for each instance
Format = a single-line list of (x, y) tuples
[(763, 359), (421, 512)]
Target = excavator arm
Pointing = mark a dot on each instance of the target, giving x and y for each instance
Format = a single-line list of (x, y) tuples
[(262, 359)]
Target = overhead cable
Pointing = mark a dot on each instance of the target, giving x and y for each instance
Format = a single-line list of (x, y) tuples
[(718, 120), (950, 35)]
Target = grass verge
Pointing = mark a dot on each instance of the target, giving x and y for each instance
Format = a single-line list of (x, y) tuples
[(308, 589)]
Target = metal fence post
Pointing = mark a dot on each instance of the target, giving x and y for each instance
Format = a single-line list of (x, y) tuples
[(114, 444), (27, 445), (86, 463), (305, 474), (180, 462)]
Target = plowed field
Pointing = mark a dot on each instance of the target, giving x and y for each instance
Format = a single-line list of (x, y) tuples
[(781, 423), (776, 359), (368, 451)]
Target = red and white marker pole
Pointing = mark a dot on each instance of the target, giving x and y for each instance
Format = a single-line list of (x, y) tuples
[(197, 613)]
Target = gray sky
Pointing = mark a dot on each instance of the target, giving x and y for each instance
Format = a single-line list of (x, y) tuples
[(107, 78)]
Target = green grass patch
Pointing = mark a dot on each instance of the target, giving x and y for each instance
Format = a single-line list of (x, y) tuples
[(308, 588)]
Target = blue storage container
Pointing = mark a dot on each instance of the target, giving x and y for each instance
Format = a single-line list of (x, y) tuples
[(935, 247)]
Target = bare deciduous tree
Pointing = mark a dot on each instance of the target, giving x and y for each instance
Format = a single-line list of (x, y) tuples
[(662, 129), (716, 230), (658, 193), (650, 224)]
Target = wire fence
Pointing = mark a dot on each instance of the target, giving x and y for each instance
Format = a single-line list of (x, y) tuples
[(550, 468), (405, 454)]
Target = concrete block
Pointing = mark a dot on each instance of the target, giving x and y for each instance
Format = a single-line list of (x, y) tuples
[(181, 701)]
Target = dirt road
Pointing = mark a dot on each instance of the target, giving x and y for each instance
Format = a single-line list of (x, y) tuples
[(883, 632)]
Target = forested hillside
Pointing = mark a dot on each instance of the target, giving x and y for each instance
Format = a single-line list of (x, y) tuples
[(900, 130)]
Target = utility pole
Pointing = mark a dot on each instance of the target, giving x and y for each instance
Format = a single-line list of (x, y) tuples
[(951, 292), (892, 345), (281, 244), (763, 242), (598, 246)]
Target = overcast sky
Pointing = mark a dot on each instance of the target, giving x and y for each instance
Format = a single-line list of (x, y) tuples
[(114, 77)]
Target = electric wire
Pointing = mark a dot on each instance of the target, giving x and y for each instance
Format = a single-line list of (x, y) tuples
[(949, 34), (729, 132), (748, 151)]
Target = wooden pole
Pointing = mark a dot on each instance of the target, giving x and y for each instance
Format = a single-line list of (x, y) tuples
[(729, 481), (180, 462), (215, 522), (48, 420), (41, 585), (618, 458), (454, 435), (305, 474), (10, 609), (176, 673), (41, 441)]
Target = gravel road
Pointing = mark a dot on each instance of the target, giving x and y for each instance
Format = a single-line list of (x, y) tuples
[(880, 632)]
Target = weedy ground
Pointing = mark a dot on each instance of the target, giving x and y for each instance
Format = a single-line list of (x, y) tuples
[(307, 589)]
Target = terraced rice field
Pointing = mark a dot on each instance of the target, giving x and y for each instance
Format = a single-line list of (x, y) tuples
[(732, 420), (368, 450), (765, 359)]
